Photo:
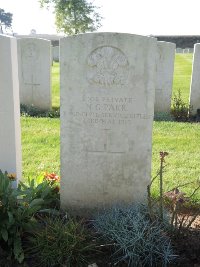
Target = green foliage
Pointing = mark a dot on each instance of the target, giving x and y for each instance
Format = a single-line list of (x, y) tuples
[(18, 208), (137, 240), (162, 116), (16, 217), (36, 112), (41, 188), (180, 110), (60, 242), (75, 16), (5, 19)]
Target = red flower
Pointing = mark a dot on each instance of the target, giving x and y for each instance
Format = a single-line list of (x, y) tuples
[(51, 177)]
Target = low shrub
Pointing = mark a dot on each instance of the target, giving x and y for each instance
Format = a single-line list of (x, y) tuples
[(45, 186), (136, 239), (16, 217), (60, 242), (33, 111), (18, 207), (180, 110), (163, 116)]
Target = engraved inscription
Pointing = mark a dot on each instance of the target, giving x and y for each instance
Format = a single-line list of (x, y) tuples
[(30, 51), (108, 66), (107, 111)]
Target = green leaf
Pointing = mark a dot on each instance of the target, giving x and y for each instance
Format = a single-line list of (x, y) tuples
[(50, 211), (10, 218), (36, 202), (4, 234), (18, 251)]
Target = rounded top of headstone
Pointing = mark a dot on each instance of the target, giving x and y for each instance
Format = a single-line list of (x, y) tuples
[(33, 31)]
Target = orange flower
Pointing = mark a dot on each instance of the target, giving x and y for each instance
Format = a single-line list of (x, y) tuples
[(51, 177), (11, 176)]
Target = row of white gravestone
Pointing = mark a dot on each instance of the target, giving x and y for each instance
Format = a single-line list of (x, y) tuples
[(108, 83), (184, 51), (35, 67)]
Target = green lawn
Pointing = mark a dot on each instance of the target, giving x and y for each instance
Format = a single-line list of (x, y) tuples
[(40, 138), (56, 85), (182, 75)]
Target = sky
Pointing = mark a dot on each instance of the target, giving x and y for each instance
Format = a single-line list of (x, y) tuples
[(145, 17)]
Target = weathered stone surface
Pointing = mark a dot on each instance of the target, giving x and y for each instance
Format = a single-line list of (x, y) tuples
[(56, 52), (164, 77), (195, 81), (34, 57), (179, 50), (10, 134), (107, 108)]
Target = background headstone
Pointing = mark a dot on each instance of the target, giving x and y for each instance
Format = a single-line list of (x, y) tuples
[(179, 50), (55, 52), (195, 81), (164, 76), (107, 108), (10, 134), (34, 57), (186, 50)]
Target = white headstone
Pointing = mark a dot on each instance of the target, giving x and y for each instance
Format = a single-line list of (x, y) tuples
[(186, 50), (56, 51), (107, 108), (10, 134), (164, 77), (34, 57), (179, 50), (195, 81)]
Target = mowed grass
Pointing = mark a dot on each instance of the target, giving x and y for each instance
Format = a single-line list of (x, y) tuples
[(40, 146), (182, 75), (56, 85), (41, 139)]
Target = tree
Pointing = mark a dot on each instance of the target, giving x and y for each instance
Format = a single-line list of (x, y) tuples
[(74, 16), (5, 20)]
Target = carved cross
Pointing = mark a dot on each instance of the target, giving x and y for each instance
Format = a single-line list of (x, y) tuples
[(104, 147)]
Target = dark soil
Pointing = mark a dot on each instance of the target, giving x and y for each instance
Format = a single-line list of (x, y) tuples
[(187, 246)]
